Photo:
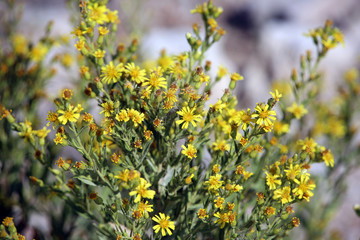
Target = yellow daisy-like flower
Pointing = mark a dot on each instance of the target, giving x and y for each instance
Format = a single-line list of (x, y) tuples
[(164, 224), (284, 194), (293, 171), (276, 96), (328, 157), (188, 116), (305, 187), (222, 219), (170, 96), (264, 115), (111, 73), (220, 145), (99, 53), (98, 13), (137, 74), (103, 31), (71, 114), (142, 191), (80, 45), (297, 110), (108, 108), (145, 207), (189, 151), (214, 183), (155, 81), (112, 17), (272, 181)]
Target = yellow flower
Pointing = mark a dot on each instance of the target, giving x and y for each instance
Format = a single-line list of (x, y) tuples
[(71, 114), (112, 17), (247, 175), (99, 53), (297, 110), (220, 145), (236, 77), (272, 181), (155, 81), (222, 219), (189, 151), (276, 96), (7, 221), (108, 108), (60, 139), (142, 191), (264, 115), (163, 224), (20, 44), (292, 172), (189, 179), (80, 45), (284, 194), (328, 157), (222, 71), (145, 207), (202, 213), (136, 74), (219, 202), (122, 116), (170, 96), (244, 118), (304, 187), (295, 221), (103, 31), (188, 116), (218, 106), (269, 211), (281, 127), (111, 73), (214, 183), (308, 145), (98, 13)]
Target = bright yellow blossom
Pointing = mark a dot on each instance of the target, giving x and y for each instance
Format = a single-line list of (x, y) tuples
[(214, 183), (97, 13), (188, 116), (284, 194), (222, 219), (111, 73), (264, 115), (99, 53), (155, 81), (137, 75), (71, 114), (141, 191), (305, 185), (189, 151), (164, 224), (108, 108), (272, 181)]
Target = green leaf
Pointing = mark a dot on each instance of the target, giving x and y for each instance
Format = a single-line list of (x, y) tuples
[(86, 180)]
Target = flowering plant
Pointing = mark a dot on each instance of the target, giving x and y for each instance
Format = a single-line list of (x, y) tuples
[(160, 163)]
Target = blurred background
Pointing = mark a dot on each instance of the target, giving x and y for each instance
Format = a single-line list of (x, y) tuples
[(263, 43)]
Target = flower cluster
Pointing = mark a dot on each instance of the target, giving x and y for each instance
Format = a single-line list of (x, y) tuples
[(155, 161)]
